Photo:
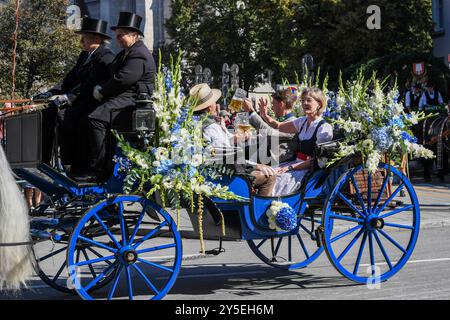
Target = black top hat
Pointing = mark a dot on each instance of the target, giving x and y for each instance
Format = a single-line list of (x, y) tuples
[(128, 20), (94, 26)]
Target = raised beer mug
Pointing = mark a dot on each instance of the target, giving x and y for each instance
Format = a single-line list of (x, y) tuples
[(238, 100)]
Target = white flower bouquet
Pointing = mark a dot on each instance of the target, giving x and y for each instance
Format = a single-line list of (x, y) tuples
[(173, 163), (373, 123)]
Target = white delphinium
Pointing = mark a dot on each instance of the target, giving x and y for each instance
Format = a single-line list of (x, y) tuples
[(197, 160), (373, 159), (141, 162), (351, 126), (419, 151)]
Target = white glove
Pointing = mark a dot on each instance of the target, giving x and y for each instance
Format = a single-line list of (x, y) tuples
[(97, 95), (61, 98)]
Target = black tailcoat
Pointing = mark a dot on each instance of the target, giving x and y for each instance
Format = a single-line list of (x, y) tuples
[(131, 73), (88, 72)]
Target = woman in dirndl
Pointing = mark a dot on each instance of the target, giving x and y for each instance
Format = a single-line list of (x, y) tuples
[(311, 129)]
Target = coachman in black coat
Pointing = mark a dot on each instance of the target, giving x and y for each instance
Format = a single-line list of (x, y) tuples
[(75, 91), (132, 73)]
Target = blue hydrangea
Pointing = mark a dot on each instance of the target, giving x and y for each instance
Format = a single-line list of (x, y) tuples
[(382, 138), (406, 136), (396, 122), (286, 219), (165, 166)]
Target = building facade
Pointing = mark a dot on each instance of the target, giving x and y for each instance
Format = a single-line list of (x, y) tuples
[(154, 12), (441, 36)]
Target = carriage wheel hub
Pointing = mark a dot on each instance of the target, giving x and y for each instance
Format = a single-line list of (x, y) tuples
[(129, 256), (376, 223)]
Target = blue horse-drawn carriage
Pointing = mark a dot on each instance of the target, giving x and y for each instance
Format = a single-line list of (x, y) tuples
[(93, 240)]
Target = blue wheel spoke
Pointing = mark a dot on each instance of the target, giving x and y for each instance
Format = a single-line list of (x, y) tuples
[(369, 192), (138, 224), (290, 248), (310, 219), (90, 262), (358, 193), (98, 254), (372, 254), (52, 254), (156, 265), (59, 272), (346, 233), (361, 250), (97, 244), (401, 226), (261, 243), (146, 280), (303, 246), (350, 245), (386, 257), (278, 246), (129, 283), (305, 229), (122, 224), (110, 235), (380, 194), (395, 243), (351, 205), (166, 246), (150, 234), (400, 187), (99, 277), (114, 285), (394, 212), (340, 217)]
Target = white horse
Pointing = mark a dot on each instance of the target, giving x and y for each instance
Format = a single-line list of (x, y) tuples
[(16, 262)]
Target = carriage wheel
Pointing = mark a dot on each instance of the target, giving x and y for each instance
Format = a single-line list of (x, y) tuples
[(370, 241), (139, 246), (51, 265), (290, 252)]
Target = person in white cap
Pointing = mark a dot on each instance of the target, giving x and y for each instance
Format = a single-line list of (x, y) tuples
[(219, 138)]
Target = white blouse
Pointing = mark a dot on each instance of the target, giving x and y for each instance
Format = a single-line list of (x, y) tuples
[(324, 134)]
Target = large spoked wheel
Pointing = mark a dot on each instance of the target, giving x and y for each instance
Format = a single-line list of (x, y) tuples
[(137, 244), (290, 252), (51, 258), (369, 241)]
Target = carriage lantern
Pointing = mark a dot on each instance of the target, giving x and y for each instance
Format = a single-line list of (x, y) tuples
[(144, 117)]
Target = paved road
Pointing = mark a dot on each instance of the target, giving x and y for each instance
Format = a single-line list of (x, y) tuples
[(237, 274)]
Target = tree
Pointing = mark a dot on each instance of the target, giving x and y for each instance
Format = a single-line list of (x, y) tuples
[(336, 32), (212, 32), (46, 48), (275, 34)]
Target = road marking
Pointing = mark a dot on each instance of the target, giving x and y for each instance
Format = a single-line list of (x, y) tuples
[(411, 261), (225, 274)]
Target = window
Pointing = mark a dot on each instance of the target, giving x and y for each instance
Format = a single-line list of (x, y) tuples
[(438, 16)]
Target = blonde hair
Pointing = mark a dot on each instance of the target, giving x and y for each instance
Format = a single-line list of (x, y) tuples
[(317, 95)]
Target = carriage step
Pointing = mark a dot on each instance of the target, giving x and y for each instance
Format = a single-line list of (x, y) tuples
[(45, 221), (44, 235), (319, 236)]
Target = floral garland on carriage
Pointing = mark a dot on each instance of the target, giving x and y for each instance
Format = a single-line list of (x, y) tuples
[(173, 162), (373, 123)]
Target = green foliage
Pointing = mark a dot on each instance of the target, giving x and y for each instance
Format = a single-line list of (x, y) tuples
[(400, 66), (275, 34), (212, 32), (46, 48)]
